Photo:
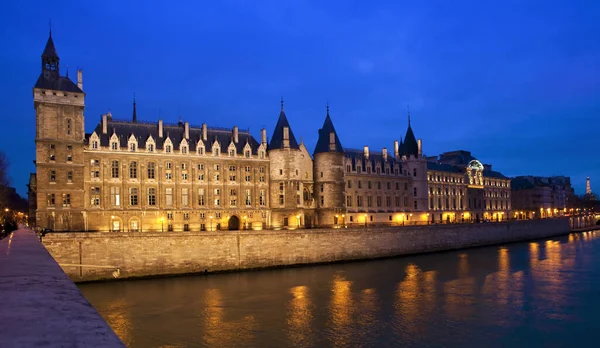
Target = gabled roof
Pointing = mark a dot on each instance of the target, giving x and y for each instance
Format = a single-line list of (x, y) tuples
[(323, 141), (277, 138), (61, 83), (142, 131)]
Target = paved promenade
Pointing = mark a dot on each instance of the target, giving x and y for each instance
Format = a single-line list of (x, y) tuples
[(39, 305)]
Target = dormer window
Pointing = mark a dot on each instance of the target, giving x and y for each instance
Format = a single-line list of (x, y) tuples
[(216, 151), (183, 147), (132, 143), (247, 153), (168, 149), (231, 153), (95, 144), (113, 145), (150, 147), (132, 147)]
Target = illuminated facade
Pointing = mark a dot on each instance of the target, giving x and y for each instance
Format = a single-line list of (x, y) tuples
[(128, 175), (540, 197)]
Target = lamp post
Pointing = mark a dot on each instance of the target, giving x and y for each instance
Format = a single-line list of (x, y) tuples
[(210, 225), (366, 221), (162, 224), (344, 220), (298, 216)]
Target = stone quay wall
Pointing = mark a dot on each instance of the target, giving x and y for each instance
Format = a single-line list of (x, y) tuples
[(127, 255)]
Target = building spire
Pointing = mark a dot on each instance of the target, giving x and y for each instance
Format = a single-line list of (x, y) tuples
[(50, 26), (327, 107), (588, 186), (408, 109), (134, 110), (281, 103)]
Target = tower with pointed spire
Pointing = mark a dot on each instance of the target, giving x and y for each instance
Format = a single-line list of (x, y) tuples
[(329, 176), (589, 195), (59, 104), (415, 165), (291, 178)]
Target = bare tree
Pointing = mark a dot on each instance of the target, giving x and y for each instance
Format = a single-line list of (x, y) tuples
[(4, 179)]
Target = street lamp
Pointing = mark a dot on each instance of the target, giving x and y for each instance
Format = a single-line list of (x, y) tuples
[(162, 224), (298, 216), (210, 225), (365, 220), (344, 220)]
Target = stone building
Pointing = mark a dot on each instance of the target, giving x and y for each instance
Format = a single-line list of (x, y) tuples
[(128, 175), (539, 197), (463, 189)]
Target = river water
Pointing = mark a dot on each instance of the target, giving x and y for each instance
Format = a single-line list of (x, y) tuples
[(535, 294)]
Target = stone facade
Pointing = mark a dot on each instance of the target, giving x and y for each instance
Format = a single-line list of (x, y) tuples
[(151, 254), (132, 176)]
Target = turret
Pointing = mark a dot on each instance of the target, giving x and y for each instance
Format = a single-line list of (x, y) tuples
[(329, 176)]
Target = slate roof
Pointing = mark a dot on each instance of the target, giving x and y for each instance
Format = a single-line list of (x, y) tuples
[(61, 83), (521, 183), (277, 138), (449, 168), (459, 157), (323, 141), (358, 157), (142, 131), (409, 146), (50, 49), (443, 167), (494, 174)]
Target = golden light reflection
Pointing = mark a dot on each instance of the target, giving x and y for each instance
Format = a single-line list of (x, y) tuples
[(341, 311), (367, 320), (221, 333), (299, 317), (463, 265), (407, 301), (117, 317)]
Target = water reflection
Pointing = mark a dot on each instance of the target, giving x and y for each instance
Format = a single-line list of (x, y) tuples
[(221, 333), (117, 317), (498, 296), (341, 309), (299, 317)]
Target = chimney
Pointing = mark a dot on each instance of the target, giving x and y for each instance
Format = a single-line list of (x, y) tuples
[(235, 134), (420, 147), (332, 141), (186, 130), (204, 132), (384, 153), (366, 152), (104, 124), (396, 150), (80, 79), (160, 128), (286, 137), (263, 136)]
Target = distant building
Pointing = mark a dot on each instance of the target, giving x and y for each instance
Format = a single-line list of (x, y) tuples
[(463, 189), (589, 195), (129, 175), (540, 197)]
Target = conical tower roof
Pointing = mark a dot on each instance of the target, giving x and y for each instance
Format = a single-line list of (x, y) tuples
[(277, 138), (324, 137)]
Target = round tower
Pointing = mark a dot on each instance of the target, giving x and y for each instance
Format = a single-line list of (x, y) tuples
[(329, 177)]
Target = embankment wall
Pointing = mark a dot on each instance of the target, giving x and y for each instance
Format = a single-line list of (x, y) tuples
[(170, 253)]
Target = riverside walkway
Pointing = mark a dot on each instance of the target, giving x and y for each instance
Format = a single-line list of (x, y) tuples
[(39, 305)]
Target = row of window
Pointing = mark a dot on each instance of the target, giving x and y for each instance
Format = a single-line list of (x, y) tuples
[(378, 171), (452, 179), (151, 195), (51, 200), (370, 186), (359, 201), (52, 155), (132, 146), (439, 191)]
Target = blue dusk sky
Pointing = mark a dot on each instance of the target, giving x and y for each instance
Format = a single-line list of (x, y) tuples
[(515, 82)]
